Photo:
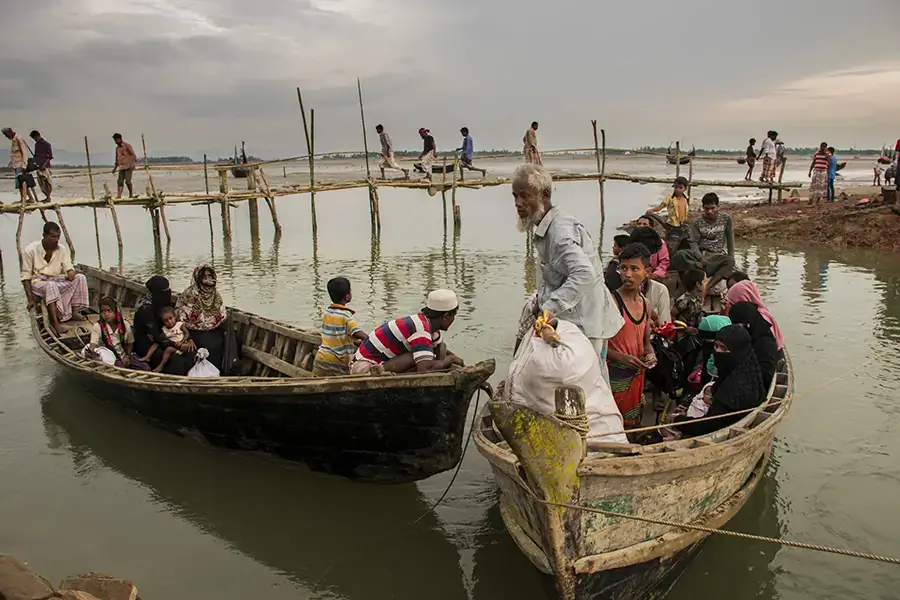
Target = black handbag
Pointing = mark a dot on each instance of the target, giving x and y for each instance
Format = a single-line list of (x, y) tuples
[(31, 165)]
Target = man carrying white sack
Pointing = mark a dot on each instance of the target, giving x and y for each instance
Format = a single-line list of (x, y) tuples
[(570, 283), (539, 368)]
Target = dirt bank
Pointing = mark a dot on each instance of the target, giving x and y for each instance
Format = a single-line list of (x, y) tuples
[(842, 224)]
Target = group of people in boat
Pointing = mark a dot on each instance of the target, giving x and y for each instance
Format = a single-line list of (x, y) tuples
[(714, 350), (164, 335)]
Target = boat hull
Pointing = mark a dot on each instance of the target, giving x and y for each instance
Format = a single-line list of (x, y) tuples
[(380, 429), (380, 436), (591, 554)]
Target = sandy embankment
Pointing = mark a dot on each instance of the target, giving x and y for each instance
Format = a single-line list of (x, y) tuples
[(843, 224)]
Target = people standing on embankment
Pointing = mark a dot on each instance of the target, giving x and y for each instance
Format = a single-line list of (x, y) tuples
[(769, 155)]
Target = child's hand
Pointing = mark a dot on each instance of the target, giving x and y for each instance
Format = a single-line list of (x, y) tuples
[(633, 362), (650, 360)]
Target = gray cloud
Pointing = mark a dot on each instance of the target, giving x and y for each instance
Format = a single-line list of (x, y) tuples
[(201, 73)]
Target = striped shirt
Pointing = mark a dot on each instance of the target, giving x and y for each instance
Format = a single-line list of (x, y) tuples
[(820, 161), (401, 336), (337, 347)]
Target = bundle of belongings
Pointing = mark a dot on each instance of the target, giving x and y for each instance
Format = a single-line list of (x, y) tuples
[(555, 353)]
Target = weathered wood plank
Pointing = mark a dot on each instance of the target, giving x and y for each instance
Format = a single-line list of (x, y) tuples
[(276, 364)]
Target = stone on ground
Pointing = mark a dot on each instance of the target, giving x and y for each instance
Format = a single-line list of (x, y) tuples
[(102, 586), (18, 582)]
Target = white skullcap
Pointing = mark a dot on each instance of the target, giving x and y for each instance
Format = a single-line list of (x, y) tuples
[(442, 301)]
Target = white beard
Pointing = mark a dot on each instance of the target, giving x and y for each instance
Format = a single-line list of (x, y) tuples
[(524, 224)]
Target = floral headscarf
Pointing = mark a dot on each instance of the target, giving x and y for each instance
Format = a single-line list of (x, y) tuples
[(200, 306), (746, 291)]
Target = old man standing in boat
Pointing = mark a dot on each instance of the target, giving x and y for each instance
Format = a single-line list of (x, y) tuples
[(48, 273), (570, 279)]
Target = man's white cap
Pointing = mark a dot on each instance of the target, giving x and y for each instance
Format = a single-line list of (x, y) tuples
[(442, 301)]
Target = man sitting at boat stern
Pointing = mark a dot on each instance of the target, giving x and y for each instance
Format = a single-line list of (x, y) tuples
[(411, 343), (570, 283)]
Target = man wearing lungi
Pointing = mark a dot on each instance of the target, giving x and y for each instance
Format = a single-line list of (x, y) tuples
[(47, 272)]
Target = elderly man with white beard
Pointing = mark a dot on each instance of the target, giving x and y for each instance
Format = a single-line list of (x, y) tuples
[(570, 281)]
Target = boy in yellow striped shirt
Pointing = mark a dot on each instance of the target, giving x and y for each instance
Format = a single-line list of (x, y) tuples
[(340, 333)]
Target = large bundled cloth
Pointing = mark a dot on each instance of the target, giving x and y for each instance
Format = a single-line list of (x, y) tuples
[(539, 368)]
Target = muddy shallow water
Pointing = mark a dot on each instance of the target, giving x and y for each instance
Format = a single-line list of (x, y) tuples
[(89, 488)]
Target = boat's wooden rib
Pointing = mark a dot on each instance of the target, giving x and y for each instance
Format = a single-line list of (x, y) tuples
[(390, 429), (703, 480)]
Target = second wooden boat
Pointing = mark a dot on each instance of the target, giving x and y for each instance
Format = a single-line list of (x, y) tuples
[(542, 462), (385, 429)]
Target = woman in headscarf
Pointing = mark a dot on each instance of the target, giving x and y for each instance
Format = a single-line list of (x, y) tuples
[(764, 345), (739, 385), (204, 314), (709, 327), (746, 291), (148, 328)]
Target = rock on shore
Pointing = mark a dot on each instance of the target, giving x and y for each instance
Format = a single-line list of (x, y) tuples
[(19, 582)]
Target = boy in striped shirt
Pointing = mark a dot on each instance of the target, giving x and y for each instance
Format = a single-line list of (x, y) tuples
[(340, 333), (410, 343)]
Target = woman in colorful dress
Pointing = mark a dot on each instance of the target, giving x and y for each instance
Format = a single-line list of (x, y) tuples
[(818, 174), (206, 319)]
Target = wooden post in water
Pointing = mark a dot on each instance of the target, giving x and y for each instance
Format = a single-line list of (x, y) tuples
[(115, 217), (678, 159), (444, 180), (457, 217), (65, 230), (601, 163), (270, 202), (253, 184), (157, 198), (206, 185), (780, 175), (309, 149), (226, 207), (374, 204), (690, 178), (87, 156), (312, 162)]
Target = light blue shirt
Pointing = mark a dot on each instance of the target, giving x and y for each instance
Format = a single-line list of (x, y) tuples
[(832, 167), (468, 148), (570, 278)]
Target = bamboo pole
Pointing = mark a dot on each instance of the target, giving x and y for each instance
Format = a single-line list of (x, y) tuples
[(600, 169), (444, 180), (65, 230), (457, 217), (603, 181), (312, 185), (780, 175), (206, 185), (270, 201), (690, 179), (362, 116), (19, 232), (87, 156), (115, 217), (160, 200), (223, 198), (678, 159), (309, 133)]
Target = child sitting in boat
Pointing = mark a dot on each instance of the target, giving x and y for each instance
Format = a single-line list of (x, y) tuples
[(688, 307), (611, 275), (115, 334), (175, 332), (340, 333)]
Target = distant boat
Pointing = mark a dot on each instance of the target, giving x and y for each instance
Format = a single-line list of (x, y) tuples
[(841, 165), (682, 159), (240, 172)]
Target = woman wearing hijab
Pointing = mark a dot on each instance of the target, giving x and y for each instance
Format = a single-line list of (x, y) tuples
[(148, 328), (746, 291), (764, 345), (709, 327), (204, 314), (739, 385)]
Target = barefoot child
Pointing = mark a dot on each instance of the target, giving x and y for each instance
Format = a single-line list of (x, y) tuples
[(340, 333), (630, 353), (175, 332), (114, 333)]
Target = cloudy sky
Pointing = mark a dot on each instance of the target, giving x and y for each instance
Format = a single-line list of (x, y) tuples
[(200, 75)]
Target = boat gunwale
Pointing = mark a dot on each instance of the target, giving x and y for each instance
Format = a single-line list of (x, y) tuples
[(467, 376), (608, 465)]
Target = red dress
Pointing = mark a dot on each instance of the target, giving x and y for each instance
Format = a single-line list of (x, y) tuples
[(627, 383)]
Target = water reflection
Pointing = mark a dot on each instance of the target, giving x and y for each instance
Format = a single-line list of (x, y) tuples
[(319, 531)]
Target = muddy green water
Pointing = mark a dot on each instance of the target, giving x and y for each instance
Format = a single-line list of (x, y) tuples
[(89, 488)]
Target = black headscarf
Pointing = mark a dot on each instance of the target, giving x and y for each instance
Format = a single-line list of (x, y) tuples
[(648, 237), (159, 294), (739, 385), (765, 346)]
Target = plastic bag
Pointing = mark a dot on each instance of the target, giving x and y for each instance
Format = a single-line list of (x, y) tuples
[(203, 368), (101, 353), (538, 369)]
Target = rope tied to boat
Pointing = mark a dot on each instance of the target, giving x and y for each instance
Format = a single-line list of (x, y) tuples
[(725, 532)]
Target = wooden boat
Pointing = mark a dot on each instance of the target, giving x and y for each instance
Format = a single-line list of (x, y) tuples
[(385, 429), (701, 481), (240, 172), (840, 166), (435, 168), (682, 159)]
